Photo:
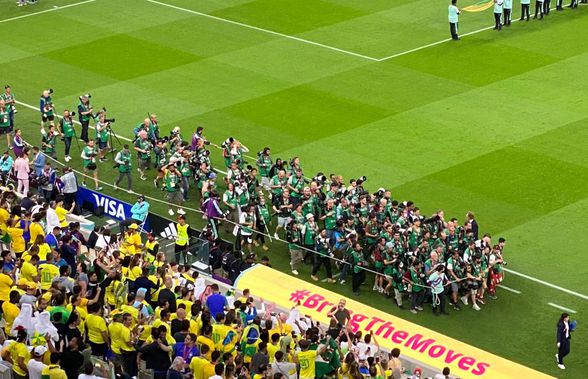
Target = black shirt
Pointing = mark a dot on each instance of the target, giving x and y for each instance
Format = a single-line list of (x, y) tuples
[(71, 362), (167, 294), (156, 358)]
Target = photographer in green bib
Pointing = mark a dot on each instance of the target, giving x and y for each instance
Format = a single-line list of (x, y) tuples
[(67, 130), (102, 130), (123, 163), (5, 121), (85, 114), (89, 154), (143, 148), (264, 162)]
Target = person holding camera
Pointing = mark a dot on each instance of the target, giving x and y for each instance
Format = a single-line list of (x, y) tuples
[(414, 279), (172, 183), (143, 148), (102, 130), (123, 163), (89, 153), (66, 127), (358, 263), (10, 102), (85, 114), (48, 142), (5, 121), (264, 163), (294, 238), (283, 208), (46, 108), (46, 182)]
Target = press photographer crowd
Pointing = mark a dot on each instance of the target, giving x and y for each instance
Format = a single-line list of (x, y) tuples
[(124, 300)]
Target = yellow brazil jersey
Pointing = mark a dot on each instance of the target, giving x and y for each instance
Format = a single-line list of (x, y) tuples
[(17, 241), (5, 286), (195, 326), (201, 340), (82, 312), (131, 244), (272, 350), (44, 249), (111, 292), (284, 329), (196, 365), (187, 303), (28, 271), (124, 338), (219, 332), (35, 230), (10, 312), (96, 325), (53, 372), (306, 359), (4, 215), (114, 330), (19, 350), (61, 216), (207, 370), (48, 272)]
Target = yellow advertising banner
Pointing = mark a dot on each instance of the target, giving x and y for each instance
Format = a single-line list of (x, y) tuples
[(415, 341)]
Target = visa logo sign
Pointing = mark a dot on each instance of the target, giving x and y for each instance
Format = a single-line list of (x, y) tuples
[(111, 207)]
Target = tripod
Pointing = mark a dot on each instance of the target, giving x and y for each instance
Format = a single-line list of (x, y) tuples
[(112, 137)]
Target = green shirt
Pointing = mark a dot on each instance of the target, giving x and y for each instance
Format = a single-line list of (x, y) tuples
[(143, 145), (171, 181), (264, 163), (88, 155), (84, 108), (101, 132), (49, 143), (67, 127), (126, 159), (331, 219), (4, 118)]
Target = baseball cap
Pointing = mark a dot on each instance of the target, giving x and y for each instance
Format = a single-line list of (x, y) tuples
[(134, 226), (39, 351)]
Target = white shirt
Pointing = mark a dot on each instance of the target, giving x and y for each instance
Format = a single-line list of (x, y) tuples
[(35, 367), (453, 13), (216, 377)]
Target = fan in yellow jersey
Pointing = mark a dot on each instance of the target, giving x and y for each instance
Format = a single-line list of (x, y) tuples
[(16, 233), (19, 355), (132, 241), (307, 358), (97, 331), (48, 271)]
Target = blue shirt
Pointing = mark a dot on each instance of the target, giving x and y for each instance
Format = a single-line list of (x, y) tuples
[(498, 6), (216, 304), (507, 4), (6, 163), (139, 211), (51, 241), (180, 350)]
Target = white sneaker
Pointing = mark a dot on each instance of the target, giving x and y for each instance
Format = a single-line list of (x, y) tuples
[(170, 212), (181, 211), (476, 307), (295, 272), (561, 366), (115, 187), (67, 158), (276, 236), (464, 299)]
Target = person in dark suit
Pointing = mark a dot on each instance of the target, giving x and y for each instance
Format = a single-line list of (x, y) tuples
[(563, 339)]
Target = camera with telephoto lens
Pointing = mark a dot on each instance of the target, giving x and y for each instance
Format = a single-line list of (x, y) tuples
[(227, 143), (50, 90), (361, 179), (110, 120), (320, 178), (72, 114)]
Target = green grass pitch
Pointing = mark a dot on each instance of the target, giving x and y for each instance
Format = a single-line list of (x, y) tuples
[(495, 123)]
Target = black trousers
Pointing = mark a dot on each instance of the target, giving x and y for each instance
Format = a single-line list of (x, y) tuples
[(124, 224), (356, 280), (84, 133), (507, 16), (320, 260), (574, 4), (442, 301), (416, 299), (559, 4), (129, 363), (564, 349), (497, 23), (525, 11), (538, 8), (546, 6), (67, 142), (453, 30)]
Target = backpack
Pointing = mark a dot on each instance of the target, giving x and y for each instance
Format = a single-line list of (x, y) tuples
[(227, 260)]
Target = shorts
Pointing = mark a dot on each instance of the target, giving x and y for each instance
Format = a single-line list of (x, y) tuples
[(144, 163), (454, 287), (283, 221), (175, 197), (102, 145), (6, 130), (265, 183), (47, 118), (473, 285)]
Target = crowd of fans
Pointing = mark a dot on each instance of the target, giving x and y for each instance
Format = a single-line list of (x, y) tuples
[(129, 304)]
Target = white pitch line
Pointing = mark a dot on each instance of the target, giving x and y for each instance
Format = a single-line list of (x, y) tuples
[(562, 308), (581, 296), (47, 11), (444, 41), (585, 297), (509, 289), (265, 30)]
